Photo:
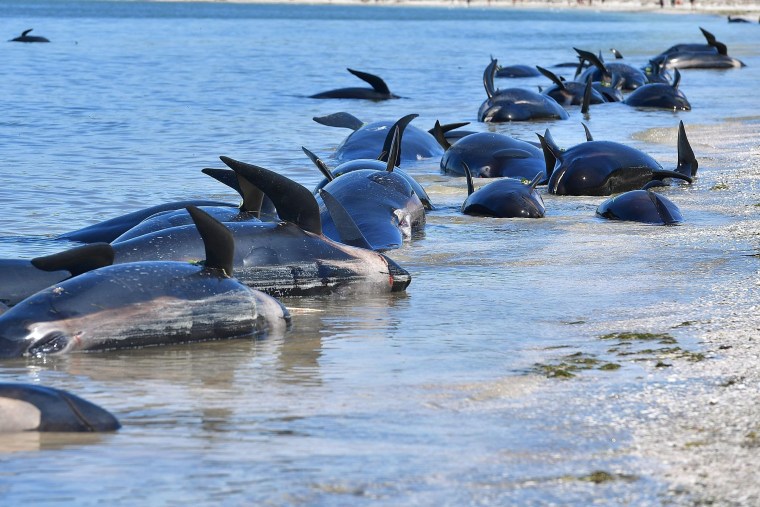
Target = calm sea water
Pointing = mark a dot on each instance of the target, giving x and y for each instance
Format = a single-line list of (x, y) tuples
[(438, 396)]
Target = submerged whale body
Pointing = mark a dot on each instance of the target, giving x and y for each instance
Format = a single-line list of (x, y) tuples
[(140, 304), (379, 90), (660, 96), (713, 55), (504, 198), (643, 206), (493, 155), (111, 229), (31, 407), (25, 37)]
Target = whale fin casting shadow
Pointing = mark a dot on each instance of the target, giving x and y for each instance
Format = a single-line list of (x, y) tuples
[(293, 202), (687, 162), (217, 240)]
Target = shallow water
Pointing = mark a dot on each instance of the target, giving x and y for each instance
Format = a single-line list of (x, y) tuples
[(433, 396)]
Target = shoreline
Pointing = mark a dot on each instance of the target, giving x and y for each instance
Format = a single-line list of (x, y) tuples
[(737, 7)]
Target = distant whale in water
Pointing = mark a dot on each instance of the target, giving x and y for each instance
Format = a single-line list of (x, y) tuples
[(379, 90), (29, 407), (25, 37), (713, 55)]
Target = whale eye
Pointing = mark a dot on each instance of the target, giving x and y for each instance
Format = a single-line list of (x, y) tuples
[(49, 344)]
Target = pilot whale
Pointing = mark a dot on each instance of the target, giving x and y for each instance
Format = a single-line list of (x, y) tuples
[(605, 167), (643, 206), (25, 37), (379, 90), (660, 96), (382, 204), (504, 198), (492, 155), (145, 303), (370, 139), (31, 407), (515, 104)]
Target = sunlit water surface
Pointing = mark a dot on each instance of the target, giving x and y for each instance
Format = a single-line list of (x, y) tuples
[(438, 396)]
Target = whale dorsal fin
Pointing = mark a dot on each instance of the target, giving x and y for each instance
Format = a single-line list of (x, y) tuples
[(326, 172), (224, 176), (26, 32), (551, 75), (374, 81), (589, 137), (488, 76), (468, 175), (77, 260), (293, 202), (552, 152), (440, 136), (340, 120), (400, 125), (676, 79), (217, 240), (252, 197), (349, 232), (586, 103), (687, 162), (394, 150), (593, 59)]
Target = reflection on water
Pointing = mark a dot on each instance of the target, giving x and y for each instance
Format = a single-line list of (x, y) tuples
[(451, 393)]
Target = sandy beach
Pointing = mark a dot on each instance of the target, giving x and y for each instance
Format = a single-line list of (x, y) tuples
[(735, 7)]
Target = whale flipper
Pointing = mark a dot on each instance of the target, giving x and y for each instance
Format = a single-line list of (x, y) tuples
[(440, 135), (662, 209), (551, 75), (340, 120), (77, 260), (349, 232), (326, 172)]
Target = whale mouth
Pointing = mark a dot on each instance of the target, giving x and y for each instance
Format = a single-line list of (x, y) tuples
[(51, 343), (399, 277)]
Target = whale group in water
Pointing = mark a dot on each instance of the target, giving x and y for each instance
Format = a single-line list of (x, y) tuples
[(197, 270)]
